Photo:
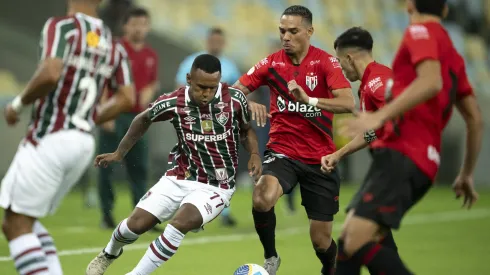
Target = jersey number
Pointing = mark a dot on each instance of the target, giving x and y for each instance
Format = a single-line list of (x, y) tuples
[(88, 88)]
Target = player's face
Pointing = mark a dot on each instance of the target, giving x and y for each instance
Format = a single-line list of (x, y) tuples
[(137, 28), (295, 34), (216, 44), (347, 63), (203, 86)]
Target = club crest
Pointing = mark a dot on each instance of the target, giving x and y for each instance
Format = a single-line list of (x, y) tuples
[(222, 118), (311, 81)]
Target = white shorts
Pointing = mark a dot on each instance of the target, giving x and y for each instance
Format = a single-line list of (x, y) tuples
[(169, 194), (40, 176)]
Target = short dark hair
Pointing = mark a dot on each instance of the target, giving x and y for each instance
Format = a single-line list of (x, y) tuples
[(208, 63), (216, 30), (355, 37), (302, 11), (136, 12), (433, 7)]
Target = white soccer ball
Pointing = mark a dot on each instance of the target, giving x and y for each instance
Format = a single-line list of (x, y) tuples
[(250, 269)]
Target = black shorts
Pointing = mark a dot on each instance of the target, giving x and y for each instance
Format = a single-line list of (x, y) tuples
[(392, 186), (319, 191)]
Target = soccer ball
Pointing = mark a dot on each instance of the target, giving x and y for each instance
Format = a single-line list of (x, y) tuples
[(250, 269)]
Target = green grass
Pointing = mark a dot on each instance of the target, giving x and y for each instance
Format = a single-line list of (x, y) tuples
[(438, 237)]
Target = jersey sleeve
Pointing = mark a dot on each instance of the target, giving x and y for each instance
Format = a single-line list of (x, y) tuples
[(334, 76), (123, 75), (420, 44), (464, 86), (256, 76), (55, 37), (163, 108), (243, 112)]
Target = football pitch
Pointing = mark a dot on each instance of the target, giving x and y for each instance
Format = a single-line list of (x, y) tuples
[(437, 237)]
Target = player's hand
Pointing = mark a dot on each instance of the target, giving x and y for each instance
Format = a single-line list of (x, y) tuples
[(298, 92), (329, 162), (105, 159), (255, 166), (258, 113), (11, 116), (363, 122), (463, 186)]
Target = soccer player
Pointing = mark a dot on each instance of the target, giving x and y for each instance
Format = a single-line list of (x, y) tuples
[(300, 134), (354, 51), (78, 58), (144, 65), (210, 119), (428, 78)]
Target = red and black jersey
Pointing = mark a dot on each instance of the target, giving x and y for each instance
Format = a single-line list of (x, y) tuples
[(299, 131), (417, 134), (372, 94), (91, 58)]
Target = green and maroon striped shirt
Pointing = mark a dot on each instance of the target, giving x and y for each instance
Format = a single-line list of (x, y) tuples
[(209, 136), (91, 59)]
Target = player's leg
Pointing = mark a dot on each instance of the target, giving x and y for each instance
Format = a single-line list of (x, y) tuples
[(136, 160), (49, 248), (107, 143), (320, 197), (198, 208), (278, 177), (157, 205), (395, 184)]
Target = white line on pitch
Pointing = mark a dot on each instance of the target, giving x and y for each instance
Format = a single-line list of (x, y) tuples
[(415, 219)]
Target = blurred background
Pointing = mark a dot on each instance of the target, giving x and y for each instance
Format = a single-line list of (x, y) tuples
[(249, 29)]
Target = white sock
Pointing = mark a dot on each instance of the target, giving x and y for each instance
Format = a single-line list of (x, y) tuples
[(28, 255), (160, 251), (47, 244), (120, 237)]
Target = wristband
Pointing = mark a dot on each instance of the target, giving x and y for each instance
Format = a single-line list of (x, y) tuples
[(313, 101), (17, 104)]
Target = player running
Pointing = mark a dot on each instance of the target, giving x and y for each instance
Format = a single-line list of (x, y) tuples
[(210, 119), (429, 77), (78, 58), (354, 51), (301, 133)]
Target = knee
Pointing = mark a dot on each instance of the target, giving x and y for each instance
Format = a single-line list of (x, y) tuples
[(266, 193), (139, 224), (184, 225), (321, 240)]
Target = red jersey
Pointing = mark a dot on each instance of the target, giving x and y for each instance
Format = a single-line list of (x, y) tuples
[(418, 133), (372, 94), (299, 131), (144, 64)]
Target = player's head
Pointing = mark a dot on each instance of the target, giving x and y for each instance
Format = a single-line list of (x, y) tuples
[(137, 24), (215, 43), (351, 46), (295, 28), (204, 78), (437, 8)]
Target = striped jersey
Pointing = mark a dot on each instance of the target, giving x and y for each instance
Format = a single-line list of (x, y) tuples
[(208, 136), (91, 59)]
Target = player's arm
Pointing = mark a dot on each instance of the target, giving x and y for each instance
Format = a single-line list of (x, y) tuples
[(249, 140), (329, 162), (343, 101), (424, 56), (470, 111), (138, 128), (54, 42), (258, 111), (124, 98)]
